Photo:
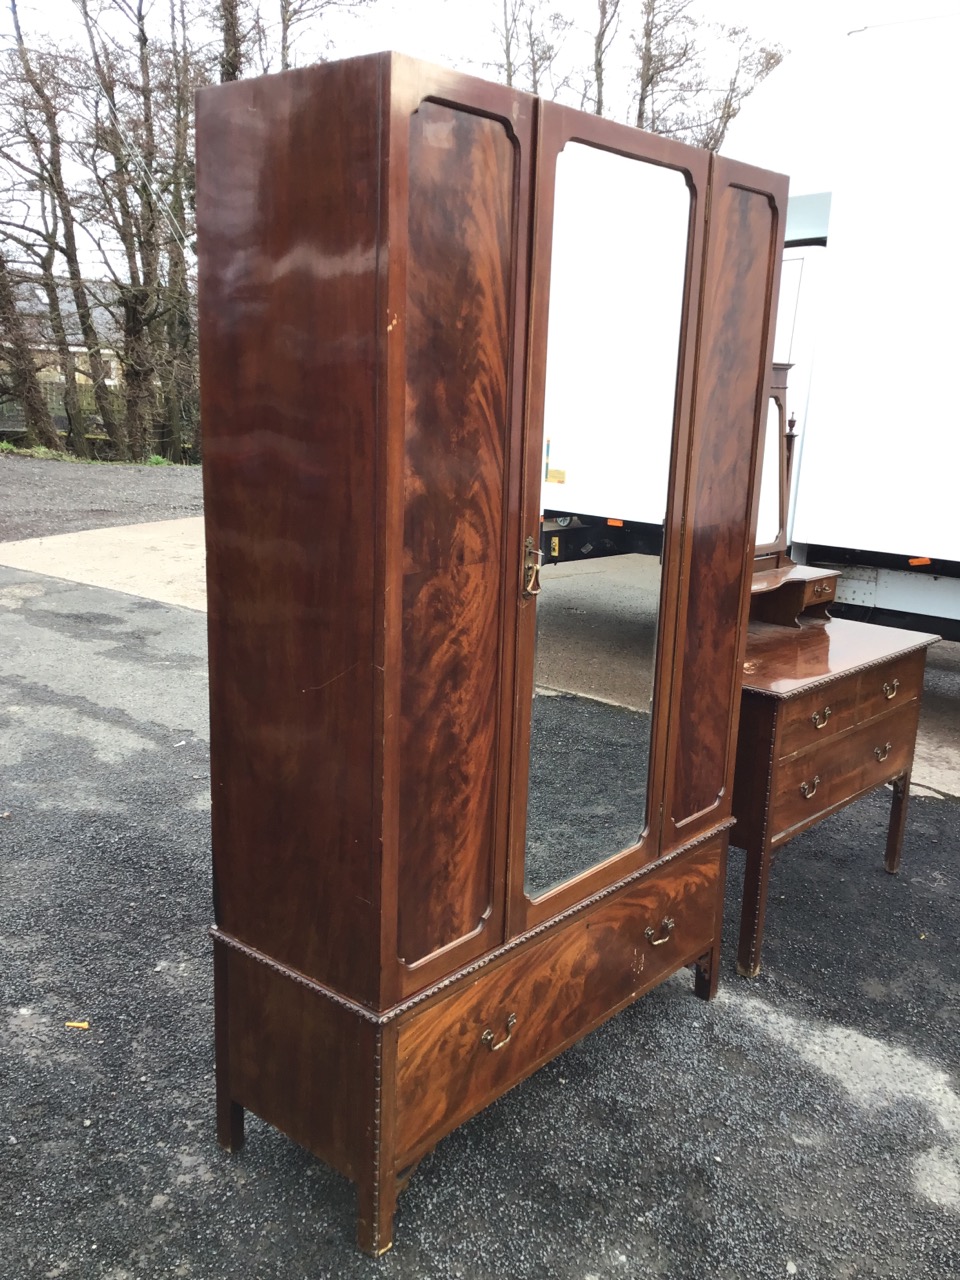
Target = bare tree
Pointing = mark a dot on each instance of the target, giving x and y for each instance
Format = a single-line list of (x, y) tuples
[(21, 371), (691, 77), (608, 21), (752, 63), (667, 56), (301, 13), (56, 185), (531, 40), (231, 56), (31, 225), (544, 35), (509, 35)]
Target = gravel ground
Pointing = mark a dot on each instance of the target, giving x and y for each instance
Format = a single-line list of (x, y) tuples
[(806, 1123), (39, 497)]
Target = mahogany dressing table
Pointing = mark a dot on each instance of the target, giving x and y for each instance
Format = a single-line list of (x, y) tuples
[(829, 709), (829, 712)]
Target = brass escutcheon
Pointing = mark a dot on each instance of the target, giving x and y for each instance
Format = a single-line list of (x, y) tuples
[(487, 1037), (882, 752), (809, 789), (890, 690), (667, 925), (820, 718)]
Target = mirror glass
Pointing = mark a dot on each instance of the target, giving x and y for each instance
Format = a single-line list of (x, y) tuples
[(616, 299), (768, 520)]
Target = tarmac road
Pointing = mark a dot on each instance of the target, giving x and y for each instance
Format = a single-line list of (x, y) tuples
[(804, 1123)]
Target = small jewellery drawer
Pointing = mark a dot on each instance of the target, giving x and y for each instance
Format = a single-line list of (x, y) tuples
[(455, 1056), (813, 717), (889, 686), (842, 768), (819, 591)]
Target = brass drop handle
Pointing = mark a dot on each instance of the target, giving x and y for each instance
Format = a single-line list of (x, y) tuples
[(820, 718), (809, 789), (882, 752), (890, 690), (532, 560), (487, 1037), (823, 589), (667, 925)]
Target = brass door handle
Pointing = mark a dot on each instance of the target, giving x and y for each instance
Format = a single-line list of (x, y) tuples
[(882, 752), (820, 718), (488, 1040), (890, 690), (532, 560), (809, 789), (667, 925)]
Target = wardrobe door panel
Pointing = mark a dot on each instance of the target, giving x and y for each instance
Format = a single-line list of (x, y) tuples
[(741, 274), (459, 278)]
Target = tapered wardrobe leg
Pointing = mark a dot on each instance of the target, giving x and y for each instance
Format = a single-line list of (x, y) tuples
[(229, 1113), (377, 1203), (898, 822), (377, 1184), (754, 909), (229, 1123), (707, 968)]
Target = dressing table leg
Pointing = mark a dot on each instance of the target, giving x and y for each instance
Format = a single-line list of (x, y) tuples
[(755, 877), (898, 821), (707, 975)]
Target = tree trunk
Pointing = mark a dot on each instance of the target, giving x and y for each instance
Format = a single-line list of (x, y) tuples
[(80, 298), (231, 57), (76, 433), (23, 372)]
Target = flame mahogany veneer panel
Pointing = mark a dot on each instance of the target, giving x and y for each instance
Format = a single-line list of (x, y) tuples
[(458, 342), (555, 988), (731, 388)]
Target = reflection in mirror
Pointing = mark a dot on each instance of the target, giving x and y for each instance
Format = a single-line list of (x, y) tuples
[(616, 300), (769, 518)]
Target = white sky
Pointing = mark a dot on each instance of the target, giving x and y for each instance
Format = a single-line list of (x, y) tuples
[(787, 125)]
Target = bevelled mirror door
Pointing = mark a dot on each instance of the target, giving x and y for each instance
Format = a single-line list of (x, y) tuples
[(618, 264)]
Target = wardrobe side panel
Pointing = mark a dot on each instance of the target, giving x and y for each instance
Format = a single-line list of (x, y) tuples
[(288, 214), (740, 279), (459, 335)]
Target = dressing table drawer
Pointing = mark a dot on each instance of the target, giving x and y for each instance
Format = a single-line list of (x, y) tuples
[(819, 591), (457, 1054), (889, 686), (826, 775), (813, 718)]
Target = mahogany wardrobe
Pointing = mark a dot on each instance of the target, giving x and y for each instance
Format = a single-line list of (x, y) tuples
[(445, 847)]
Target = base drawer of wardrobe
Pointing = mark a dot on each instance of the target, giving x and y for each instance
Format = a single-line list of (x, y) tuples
[(458, 1054)]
